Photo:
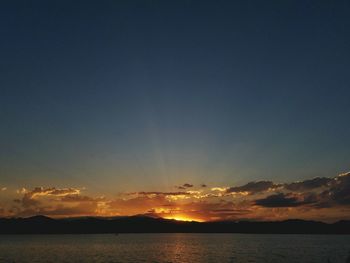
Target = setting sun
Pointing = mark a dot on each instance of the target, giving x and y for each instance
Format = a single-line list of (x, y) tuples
[(183, 218)]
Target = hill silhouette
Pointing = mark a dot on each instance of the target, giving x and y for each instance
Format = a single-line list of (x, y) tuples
[(145, 224)]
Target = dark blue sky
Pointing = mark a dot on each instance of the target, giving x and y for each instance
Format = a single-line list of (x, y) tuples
[(122, 94)]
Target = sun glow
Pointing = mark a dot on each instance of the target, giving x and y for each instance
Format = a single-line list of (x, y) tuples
[(183, 218)]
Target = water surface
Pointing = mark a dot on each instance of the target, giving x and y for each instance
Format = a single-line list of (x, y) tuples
[(174, 248)]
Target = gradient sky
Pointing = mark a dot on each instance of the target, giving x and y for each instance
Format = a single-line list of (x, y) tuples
[(128, 96)]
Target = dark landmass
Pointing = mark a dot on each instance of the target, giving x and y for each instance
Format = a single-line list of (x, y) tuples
[(145, 224)]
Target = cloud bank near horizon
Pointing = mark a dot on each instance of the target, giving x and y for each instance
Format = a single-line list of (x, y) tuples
[(320, 198)]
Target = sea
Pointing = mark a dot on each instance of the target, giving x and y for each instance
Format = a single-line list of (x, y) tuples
[(218, 248)]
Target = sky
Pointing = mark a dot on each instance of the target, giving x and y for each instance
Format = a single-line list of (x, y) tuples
[(163, 107)]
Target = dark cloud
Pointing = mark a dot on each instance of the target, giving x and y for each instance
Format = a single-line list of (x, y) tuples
[(231, 211), (336, 191), (308, 184), (77, 198), (28, 201), (253, 187), (161, 193), (321, 192), (184, 186), (339, 192), (286, 200)]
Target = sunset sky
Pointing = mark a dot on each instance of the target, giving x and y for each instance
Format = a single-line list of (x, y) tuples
[(204, 110)]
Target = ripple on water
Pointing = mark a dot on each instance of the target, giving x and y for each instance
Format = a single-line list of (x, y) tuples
[(237, 248)]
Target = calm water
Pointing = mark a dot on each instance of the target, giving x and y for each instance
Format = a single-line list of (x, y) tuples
[(174, 248)]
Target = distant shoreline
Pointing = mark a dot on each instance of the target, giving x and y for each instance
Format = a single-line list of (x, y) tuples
[(144, 224), (161, 233)]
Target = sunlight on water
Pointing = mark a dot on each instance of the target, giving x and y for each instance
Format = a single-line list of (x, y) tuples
[(174, 248)]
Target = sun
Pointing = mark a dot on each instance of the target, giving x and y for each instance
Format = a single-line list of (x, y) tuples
[(183, 218)]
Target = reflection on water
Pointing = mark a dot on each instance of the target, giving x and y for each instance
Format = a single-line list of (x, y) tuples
[(174, 248)]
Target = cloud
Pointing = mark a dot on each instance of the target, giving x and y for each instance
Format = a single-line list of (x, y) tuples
[(2, 211), (29, 198), (253, 187), (139, 204), (326, 198), (155, 193), (54, 201), (308, 184), (41, 191), (77, 198), (27, 202), (285, 200), (219, 189), (339, 191), (203, 210), (184, 186), (321, 192), (21, 191)]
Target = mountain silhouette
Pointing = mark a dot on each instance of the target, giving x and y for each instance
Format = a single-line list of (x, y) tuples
[(145, 224)]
